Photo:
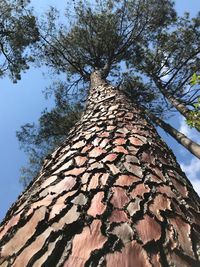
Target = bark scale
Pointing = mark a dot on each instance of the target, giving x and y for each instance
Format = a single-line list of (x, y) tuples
[(111, 195)]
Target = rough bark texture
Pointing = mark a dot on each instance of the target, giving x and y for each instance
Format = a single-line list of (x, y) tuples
[(111, 195)]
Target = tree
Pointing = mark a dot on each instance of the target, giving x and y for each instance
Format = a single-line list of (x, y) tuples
[(18, 31), (112, 193), (182, 139), (171, 61), (157, 66)]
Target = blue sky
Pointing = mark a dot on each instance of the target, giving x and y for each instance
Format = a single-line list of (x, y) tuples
[(23, 102)]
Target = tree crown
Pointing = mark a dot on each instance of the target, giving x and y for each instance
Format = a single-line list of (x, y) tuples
[(18, 31)]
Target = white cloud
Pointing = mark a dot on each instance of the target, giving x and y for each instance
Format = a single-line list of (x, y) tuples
[(192, 170)]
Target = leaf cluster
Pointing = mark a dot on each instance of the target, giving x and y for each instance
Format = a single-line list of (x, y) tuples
[(194, 116), (101, 34), (18, 31)]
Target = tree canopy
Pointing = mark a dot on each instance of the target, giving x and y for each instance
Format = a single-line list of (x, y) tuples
[(18, 31), (141, 46)]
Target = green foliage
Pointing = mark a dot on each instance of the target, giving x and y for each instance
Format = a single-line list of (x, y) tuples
[(194, 116), (195, 79), (18, 31), (144, 93), (172, 58), (101, 34)]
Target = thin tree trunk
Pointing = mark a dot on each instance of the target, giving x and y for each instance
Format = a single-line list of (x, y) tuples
[(111, 195), (182, 139), (175, 102)]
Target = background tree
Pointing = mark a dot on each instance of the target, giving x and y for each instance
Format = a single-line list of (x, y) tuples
[(171, 61), (140, 49), (18, 31)]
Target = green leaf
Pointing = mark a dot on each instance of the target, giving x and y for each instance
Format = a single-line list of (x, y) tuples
[(194, 79)]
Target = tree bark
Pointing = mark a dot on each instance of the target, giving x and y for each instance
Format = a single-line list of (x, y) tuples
[(182, 139), (111, 195)]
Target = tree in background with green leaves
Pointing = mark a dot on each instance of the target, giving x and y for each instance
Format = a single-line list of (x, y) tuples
[(18, 31)]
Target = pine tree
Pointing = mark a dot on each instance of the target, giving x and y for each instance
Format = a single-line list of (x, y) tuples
[(148, 51), (111, 195)]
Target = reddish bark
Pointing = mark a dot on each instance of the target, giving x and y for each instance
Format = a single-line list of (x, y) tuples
[(112, 195)]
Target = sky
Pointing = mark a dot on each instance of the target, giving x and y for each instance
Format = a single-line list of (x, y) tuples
[(23, 102)]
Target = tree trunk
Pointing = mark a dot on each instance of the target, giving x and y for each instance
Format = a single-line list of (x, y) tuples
[(175, 102), (182, 139), (111, 195)]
